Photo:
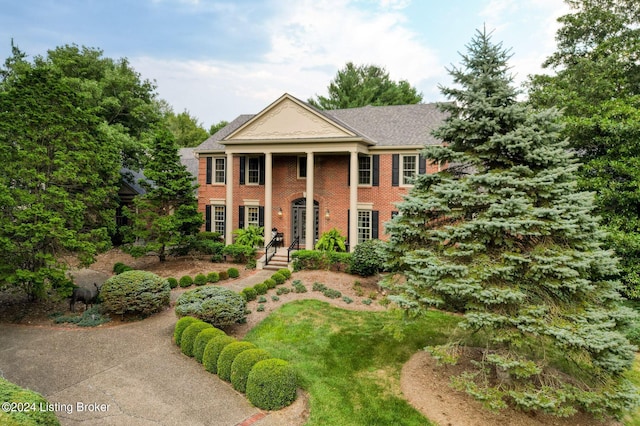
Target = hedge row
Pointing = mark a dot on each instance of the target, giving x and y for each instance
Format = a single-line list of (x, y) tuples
[(279, 277), (269, 383), (17, 415), (202, 279)]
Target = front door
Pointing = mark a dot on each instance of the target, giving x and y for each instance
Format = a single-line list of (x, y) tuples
[(299, 220)]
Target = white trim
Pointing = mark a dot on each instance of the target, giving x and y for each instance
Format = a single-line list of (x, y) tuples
[(250, 202), (217, 201), (401, 167), (214, 169)]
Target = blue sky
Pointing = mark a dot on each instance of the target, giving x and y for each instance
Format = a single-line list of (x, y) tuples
[(221, 58)]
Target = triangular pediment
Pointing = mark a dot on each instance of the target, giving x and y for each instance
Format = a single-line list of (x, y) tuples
[(289, 118)]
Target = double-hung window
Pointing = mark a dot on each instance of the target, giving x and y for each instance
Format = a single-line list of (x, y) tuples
[(253, 216), (218, 219), (364, 170), (364, 225), (253, 171), (219, 170), (409, 168)]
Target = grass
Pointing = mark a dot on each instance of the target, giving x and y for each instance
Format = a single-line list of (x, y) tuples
[(633, 419), (350, 361)]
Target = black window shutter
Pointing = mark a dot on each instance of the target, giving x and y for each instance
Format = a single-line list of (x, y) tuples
[(376, 170), (243, 160), (261, 166), (241, 217), (395, 170), (349, 172), (348, 227), (207, 218), (422, 165), (375, 215), (261, 216), (224, 222), (209, 167)]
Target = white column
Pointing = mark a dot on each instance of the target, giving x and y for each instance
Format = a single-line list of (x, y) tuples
[(268, 197), (310, 221), (353, 201), (229, 211)]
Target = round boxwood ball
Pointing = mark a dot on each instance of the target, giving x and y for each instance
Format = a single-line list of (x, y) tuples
[(135, 292), (181, 325), (272, 384), (202, 339), (242, 365), (189, 336), (228, 354), (278, 278), (212, 352)]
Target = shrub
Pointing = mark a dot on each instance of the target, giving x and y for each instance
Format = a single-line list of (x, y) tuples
[(332, 294), (317, 286), (213, 277), (137, 292), (270, 283), (249, 293), (347, 299), (91, 317), (202, 339), (271, 384), (200, 279), (286, 272), (224, 275), (186, 281), (212, 352), (209, 243), (239, 253), (242, 365), (180, 326), (218, 306), (278, 278), (313, 259), (189, 336), (282, 290), (173, 283), (275, 298), (120, 267), (251, 236), (260, 308), (228, 355), (12, 393), (233, 273), (366, 301), (262, 299), (339, 261), (367, 258), (331, 241), (261, 288), (298, 287)]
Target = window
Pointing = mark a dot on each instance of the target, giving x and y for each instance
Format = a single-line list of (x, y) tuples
[(253, 171), (409, 168), (218, 219), (219, 171), (364, 170), (364, 225), (302, 167), (253, 216)]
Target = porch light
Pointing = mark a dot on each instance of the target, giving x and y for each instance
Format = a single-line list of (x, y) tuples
[(326, 215), (279, 211)]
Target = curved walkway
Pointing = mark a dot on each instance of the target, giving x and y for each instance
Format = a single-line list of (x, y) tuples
[(130, 375)]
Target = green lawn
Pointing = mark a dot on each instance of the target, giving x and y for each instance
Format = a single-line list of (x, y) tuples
[(350, 361)]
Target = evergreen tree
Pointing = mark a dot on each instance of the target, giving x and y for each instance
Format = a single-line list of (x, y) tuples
[(167, 214), (505, 237)]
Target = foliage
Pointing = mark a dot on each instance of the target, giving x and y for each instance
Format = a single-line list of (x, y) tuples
[(364, 85), (91, 317), (242, 365), (283, 290), (275, 298), (185, 281), (218, 126), (14, 394), (239, 253), (262, 299), (228, 355), (249, 293), (202, 340), (252, 236), (260, 308), (515, 247), (189, 336), (167, 214), (233, 272), (318, 286), (216, 305), (272, 384), (210, 243), (298, 287), (368, 258), (224, 275), (135, 292), (270, 283), (212, 352), (180, 326), (200, 279), (314, 259), (332, 294), (331, 241), (278, 278), (286, 272), (261, 288), (120, 267), (597, 85), (213, 277), (186, 129), (347, 300)]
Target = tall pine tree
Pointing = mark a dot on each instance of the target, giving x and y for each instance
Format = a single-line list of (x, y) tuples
[(504, 236)]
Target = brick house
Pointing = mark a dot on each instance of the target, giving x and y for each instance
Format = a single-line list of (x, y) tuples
[(305, 171)]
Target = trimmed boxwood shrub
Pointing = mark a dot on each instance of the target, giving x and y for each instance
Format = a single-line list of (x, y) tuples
[(10, 392), (173, 283), (200, 279), (181, 325), (242, 365), (233, 272), (228, 354), (367, 258), (212, 352), (286, 272), (250, 293), (219, 306), (202, 339), (278, 278), (224, 275), (270, 283), (136, 292), (261, 288), (272, 384), (189, 336), (186, 281), (213, 277)]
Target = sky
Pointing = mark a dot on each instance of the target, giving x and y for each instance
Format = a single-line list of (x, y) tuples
[(218, 59)]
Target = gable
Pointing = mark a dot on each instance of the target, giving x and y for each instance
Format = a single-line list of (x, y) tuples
[(289, 118)]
